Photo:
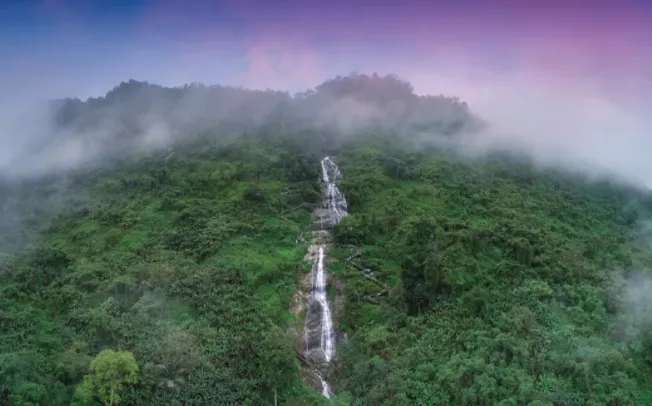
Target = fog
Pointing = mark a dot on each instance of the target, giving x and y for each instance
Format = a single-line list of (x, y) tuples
[(58, 136), (574, 130), (576, 127), (628, 295), (560, 126), (135, 116)]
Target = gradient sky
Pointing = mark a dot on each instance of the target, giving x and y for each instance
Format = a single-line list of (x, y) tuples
[(566, 77), (85, 47)]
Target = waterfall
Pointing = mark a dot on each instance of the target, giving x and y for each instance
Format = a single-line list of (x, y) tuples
[(334, 201), (319, 335), (320, 295)]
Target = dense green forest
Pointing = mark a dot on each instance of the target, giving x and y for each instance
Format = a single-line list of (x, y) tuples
[(167, 278), (510, 285), (188, 261)]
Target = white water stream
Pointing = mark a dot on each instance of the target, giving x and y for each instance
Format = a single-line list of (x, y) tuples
[(334, 200), (333, 209), (319, 293)]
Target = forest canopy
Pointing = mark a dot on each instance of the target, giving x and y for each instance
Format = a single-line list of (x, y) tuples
[(139, 115), (159, 268)]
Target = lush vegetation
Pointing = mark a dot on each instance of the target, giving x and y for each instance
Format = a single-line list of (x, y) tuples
[(136, 116), (188, 261), (167, 278), (510, 285)]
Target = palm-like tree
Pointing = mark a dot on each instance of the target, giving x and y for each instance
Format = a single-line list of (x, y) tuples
[(170, 376)]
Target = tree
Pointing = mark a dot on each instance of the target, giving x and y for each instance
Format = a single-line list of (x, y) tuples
[(110, 371), (164, 376), (277, 360), (176, 357)]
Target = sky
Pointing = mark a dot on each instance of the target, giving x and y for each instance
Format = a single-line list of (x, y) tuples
[(89, 46), (568, 76)]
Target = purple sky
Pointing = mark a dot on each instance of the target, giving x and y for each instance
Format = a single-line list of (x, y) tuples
[(567, 76), (84, 47)]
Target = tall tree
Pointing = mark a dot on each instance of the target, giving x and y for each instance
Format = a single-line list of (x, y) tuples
[(110, 371)]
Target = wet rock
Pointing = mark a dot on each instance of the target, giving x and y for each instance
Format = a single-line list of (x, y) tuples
[(319, 327)]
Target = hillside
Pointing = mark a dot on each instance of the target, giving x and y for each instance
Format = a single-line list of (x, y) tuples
[(507, 284), (188, 261), (138, 117)]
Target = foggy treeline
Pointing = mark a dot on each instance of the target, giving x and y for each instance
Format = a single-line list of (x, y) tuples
[(141, 115)]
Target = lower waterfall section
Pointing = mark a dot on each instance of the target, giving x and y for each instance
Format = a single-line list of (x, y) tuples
[(319, 334), (320, 295)]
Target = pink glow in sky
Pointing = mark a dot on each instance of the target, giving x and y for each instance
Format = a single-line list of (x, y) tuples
[(566, 77), (593, 47), (575, 45)]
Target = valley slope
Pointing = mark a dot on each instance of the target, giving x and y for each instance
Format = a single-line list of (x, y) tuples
[(507, 284)]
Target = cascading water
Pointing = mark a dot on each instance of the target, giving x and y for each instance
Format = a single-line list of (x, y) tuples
[(334, 201), (319, 335), (319, 294)]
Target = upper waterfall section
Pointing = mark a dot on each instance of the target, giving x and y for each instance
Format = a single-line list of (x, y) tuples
[(334, 206)]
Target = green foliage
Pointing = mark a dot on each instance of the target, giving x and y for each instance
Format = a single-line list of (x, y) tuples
[(172, 260), (508, 285), (502, 283), (110, 372)]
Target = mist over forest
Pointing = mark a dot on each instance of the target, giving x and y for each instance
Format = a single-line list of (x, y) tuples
[(52, 140), (161, 231), (139, 116), (136, 119)]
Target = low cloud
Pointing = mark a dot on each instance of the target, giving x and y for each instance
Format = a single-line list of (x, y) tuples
[(577, 124)]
